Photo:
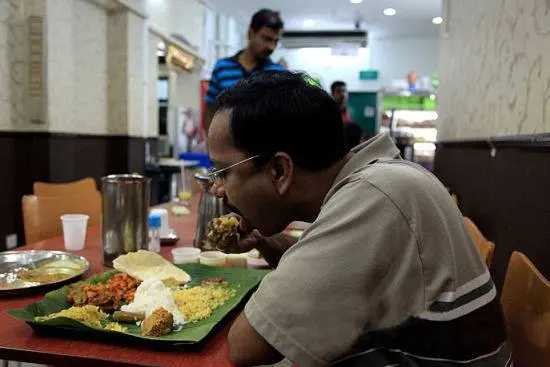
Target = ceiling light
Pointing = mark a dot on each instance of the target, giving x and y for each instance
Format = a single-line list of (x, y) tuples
[(389, 12), (309, 23), (437, 20), (356, 1)]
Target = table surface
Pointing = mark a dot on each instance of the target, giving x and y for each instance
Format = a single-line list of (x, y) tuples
[(19, 342)]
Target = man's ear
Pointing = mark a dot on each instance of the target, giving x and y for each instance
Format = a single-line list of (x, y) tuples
[(250, 33), (281, 171)]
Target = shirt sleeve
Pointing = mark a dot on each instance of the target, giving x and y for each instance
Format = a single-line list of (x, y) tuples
[(213, 86), (338, 277)]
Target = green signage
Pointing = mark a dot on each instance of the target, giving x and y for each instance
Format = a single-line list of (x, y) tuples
[(410, 103), (370, 74)]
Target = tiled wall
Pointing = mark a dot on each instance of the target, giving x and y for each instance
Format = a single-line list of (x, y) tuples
[(5, 94), (494, 65), (16, 108)]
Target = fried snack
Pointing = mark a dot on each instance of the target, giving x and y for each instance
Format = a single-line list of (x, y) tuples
[(223, 233), (158, 324), (128, 317), (147, 265)]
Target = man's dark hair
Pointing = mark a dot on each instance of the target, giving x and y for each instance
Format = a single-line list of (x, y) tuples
[(353, 133), (337, 84), (266, 18), (279, 111)]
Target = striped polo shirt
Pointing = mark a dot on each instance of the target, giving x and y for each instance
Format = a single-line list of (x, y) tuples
[(228, 71)]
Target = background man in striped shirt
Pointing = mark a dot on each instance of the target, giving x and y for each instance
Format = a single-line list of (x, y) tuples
[(264, 34)]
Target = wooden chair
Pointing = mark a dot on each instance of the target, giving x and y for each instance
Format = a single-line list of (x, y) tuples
[(80, 187), (41, 214), (526, 304), (485, 247)]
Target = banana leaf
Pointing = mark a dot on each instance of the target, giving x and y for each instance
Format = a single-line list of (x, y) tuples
[(243, 281)]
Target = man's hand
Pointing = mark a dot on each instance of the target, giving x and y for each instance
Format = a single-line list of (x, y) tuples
[(272, 248)]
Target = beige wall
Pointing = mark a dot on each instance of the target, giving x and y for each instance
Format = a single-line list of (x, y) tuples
[(137, 76), (495, 69), (188, 90), (76, 67), (96, 69), (99, 66), (185, 17), (153, 74)]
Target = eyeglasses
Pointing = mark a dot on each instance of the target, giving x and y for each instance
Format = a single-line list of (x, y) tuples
[(217, 176)]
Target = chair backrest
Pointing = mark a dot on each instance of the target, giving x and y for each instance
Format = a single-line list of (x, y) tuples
[(41, 214), (485, 247), (526, 304), (80, 187)]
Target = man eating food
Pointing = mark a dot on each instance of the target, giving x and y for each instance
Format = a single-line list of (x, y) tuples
[(386, 275)]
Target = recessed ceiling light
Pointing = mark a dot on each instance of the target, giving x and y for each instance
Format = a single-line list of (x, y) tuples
[(437, 20), (390, 12), (309, 23), (356, 1)]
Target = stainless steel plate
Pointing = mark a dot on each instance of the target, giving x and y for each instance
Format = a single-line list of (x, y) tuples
[(23, 271)]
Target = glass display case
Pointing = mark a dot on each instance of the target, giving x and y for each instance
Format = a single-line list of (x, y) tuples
[(411, 119)]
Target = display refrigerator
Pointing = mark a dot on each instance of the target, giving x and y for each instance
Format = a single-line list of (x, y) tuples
[(411, 118)]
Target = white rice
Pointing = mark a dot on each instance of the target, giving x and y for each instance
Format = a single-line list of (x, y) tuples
[(151, 295)]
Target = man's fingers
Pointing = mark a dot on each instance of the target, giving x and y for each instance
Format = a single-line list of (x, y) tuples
[(250, 241)]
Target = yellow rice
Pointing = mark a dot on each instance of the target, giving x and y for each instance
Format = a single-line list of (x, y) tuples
[(115, 326), (88, 314), (197, 303)]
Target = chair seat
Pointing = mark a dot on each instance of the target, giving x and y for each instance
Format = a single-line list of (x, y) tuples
[(526, 304)]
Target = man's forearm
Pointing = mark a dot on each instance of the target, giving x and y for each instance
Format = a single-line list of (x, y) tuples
[(273, 249)]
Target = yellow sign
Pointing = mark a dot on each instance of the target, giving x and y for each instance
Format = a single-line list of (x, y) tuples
[(180, 58)]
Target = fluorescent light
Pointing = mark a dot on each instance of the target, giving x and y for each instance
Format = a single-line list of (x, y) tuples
[(390, 12), (309, 23), (356, 1), (437, 20)]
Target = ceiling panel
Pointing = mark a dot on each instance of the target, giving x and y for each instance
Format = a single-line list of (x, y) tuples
[(413, 18)]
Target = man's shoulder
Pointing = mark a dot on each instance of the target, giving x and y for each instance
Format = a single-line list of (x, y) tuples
[(227, 62), (394, 174)]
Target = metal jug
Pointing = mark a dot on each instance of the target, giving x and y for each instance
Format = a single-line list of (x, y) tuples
[(210, 207), (124, 209)]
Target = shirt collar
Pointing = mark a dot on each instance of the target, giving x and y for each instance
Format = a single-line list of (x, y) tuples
[(379, 147), (259, 65)]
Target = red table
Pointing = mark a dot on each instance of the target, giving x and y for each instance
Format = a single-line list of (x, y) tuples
[(18, 341)]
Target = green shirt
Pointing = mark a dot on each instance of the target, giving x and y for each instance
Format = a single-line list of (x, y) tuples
[(386, 275)]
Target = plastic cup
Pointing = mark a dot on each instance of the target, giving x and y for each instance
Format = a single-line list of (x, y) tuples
[(213, 258), (237, 261), (186, 255), (74, 231), (254, 262)]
